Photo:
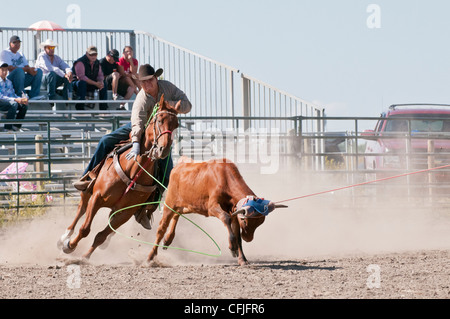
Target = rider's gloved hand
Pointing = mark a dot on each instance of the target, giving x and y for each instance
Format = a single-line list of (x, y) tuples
[(135, 150)]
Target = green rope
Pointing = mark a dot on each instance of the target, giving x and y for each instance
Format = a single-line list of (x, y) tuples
[(155, 109), (159, 202)]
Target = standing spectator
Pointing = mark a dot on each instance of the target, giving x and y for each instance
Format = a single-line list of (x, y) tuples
[(15, 106), (89, 77), (20, 73), (130, 66), (115, 77), (55, 71)]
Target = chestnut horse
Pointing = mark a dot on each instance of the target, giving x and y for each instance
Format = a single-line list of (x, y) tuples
[(121, 183)]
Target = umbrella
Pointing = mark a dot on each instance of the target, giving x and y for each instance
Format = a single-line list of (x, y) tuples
[(46, 25)]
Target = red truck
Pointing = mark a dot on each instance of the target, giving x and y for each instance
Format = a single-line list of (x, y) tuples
[(409, 137)]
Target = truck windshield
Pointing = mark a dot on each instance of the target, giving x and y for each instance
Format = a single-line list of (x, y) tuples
[(426, 123)]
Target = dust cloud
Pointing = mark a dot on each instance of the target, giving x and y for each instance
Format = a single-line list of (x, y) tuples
[(334, 223)]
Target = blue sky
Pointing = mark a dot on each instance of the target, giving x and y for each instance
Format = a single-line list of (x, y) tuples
[(319, 50)]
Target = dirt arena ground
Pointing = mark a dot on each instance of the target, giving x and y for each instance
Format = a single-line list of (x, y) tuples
[(323, 247)]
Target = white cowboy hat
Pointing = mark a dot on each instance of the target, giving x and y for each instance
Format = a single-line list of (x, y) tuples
[(48, 43)]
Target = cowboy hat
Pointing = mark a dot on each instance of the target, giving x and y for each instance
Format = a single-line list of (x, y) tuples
[(146, 72), (48, 43), (91, 50)]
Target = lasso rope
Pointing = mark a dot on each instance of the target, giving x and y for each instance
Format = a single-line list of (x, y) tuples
[(364, 183), (155, 109)]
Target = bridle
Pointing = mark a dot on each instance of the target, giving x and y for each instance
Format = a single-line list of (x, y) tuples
[(157, 132), (148, 154)]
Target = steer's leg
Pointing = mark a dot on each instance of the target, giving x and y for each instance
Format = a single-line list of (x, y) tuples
[(170, 235), (163, 224), (234, 234), (242, 260)]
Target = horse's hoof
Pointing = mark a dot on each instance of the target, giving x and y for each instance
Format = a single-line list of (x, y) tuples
[(61, 240), (66, 247)]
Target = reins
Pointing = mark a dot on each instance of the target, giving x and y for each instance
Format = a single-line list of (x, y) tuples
[(153, 118)]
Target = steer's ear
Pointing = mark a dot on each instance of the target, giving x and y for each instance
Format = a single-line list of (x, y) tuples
[(280, 206)]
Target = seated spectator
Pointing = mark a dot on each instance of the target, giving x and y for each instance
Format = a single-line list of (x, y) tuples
[(20, 73), (55, 71), (130, 66), (89, 77), (15, 106), (115, 78)]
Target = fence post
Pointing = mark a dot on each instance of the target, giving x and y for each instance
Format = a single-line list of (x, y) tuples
[(246, 101), (39, 166), (430, 165)]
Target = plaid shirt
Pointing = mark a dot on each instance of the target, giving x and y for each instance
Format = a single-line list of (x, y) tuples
[(7, 90)]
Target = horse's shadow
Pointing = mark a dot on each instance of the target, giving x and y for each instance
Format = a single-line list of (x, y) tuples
[(292, 265)]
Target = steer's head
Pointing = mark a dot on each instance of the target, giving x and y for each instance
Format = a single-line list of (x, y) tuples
[(251, 213)]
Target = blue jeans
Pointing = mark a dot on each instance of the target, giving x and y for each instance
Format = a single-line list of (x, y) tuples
[(108, 142), (81, 87), (15, 111), (21, 80), (51, 81)]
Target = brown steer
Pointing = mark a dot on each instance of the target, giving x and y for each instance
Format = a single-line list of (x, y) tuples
[(212, 188)]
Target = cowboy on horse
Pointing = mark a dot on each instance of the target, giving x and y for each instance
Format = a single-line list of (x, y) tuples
[(143, 106)]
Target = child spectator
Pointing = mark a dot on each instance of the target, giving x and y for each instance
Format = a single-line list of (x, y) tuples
[(15, 106)]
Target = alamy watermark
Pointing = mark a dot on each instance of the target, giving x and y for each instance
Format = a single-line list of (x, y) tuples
[(73, 21), (74, 278), (374, 279), (253, 146), (374, 19)]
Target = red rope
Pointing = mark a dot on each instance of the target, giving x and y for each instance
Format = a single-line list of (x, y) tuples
[(365, 183)]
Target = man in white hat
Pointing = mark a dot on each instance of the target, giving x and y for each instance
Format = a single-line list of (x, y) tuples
[(56, 72)]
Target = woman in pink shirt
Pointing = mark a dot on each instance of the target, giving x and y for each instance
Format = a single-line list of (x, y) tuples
[(130, 65)]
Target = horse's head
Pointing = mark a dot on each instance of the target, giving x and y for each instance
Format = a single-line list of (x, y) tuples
[(158, 135)]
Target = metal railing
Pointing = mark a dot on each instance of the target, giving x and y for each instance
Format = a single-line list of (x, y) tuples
[(58, 145), (213, 87), (66, 142)]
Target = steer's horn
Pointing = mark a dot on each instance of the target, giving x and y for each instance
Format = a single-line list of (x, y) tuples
[(239, 211), (272, 206)]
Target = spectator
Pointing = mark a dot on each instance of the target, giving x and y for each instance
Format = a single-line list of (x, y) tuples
[(55, 71), (15, 106), (89, 77), (20, 73), (130, 66), (115, 78)]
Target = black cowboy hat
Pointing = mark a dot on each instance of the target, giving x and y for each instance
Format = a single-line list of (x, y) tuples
[(114, 54), (146, 72)]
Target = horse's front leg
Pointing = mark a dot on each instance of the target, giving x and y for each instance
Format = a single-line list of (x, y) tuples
[(116, 221), (92, 207), (80, 212)]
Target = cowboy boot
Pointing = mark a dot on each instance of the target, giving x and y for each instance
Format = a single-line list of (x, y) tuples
[(145, 213), (83, 183)]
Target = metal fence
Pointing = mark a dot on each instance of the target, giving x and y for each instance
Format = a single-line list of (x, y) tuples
[(58, 145)]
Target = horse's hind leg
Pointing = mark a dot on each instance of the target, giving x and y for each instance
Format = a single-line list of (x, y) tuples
[(80, 212), (116, 221)]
